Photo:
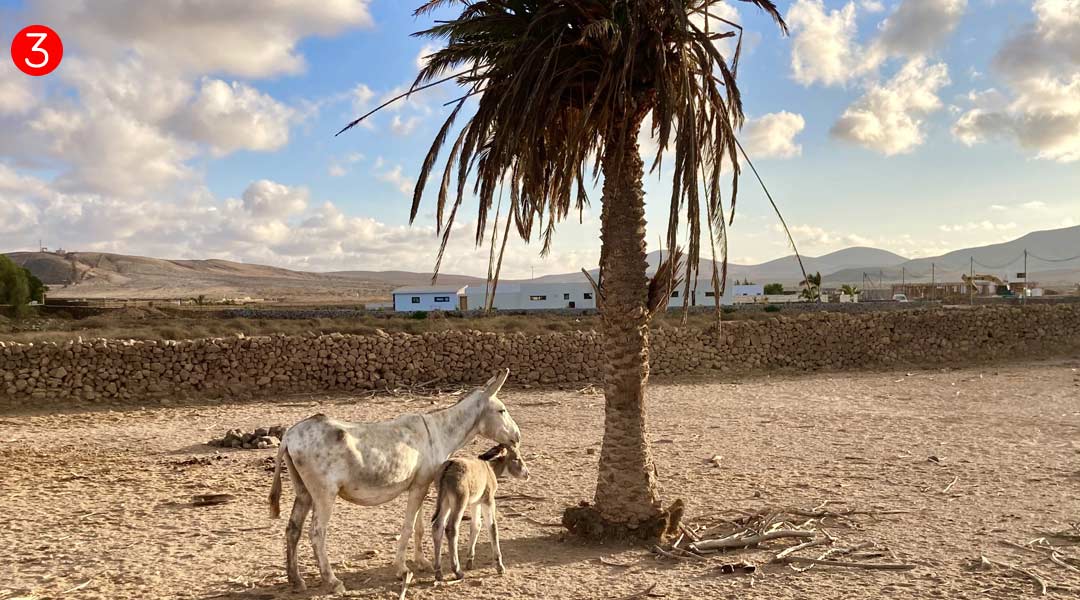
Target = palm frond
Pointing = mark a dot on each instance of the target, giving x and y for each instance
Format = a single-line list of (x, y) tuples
[(555, 83)]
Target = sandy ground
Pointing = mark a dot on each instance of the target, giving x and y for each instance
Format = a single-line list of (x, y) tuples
[(94, 504)]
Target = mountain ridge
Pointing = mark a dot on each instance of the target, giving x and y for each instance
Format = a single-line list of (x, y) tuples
[(98, 274)]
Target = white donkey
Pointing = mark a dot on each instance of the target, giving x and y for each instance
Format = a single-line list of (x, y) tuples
[(373, 463)]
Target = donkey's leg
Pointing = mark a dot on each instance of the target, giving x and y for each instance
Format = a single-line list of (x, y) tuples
[(474, 533), (418, 534), (452, 531), (489, 513), (416, 498), (438, 529), (300, 509), (320, 520)]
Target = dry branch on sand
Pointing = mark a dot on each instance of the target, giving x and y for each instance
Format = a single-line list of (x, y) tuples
[(758, 527)]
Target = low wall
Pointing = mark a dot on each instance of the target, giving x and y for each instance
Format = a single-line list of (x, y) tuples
[(102, 370)]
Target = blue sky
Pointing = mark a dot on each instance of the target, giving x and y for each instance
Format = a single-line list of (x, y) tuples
[(190, 129)]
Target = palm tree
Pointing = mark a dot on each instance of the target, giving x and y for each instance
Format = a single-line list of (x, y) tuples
[(562, 86), (812, 287), (850, 290)]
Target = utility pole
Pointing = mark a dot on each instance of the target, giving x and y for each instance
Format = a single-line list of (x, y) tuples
[(933, 280), (1023, 300), (971, 282)]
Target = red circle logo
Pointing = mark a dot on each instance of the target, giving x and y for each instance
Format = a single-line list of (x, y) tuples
[(37, 50)]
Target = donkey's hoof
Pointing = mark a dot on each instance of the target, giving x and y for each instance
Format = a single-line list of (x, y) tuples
[(401, 570), (459, 575), (334, 586), (438, 575), (500, 569), (299, 586), (423, 564), (469, 564)]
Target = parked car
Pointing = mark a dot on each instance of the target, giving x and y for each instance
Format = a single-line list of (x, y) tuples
[(899, 298)]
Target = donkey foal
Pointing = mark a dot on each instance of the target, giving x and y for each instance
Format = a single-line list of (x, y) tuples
[(470, 483)]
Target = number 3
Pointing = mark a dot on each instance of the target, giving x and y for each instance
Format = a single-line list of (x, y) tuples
[(37, 48)]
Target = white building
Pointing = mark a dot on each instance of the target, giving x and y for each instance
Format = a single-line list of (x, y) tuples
[(532, 296), (704, 295), (552, 296), (410, 299)]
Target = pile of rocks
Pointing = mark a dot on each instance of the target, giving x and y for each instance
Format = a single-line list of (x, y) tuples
[(258, 439)]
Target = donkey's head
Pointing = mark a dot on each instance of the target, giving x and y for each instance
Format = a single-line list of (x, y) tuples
[(495, 422), (507, 458)]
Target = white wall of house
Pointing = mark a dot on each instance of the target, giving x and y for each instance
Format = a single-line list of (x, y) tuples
[(704, 295), (533, 296), (414, 299)]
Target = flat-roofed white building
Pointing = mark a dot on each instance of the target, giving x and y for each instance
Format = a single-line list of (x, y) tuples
[(579, 295), (532, 296), (409, 299), (704, 295)]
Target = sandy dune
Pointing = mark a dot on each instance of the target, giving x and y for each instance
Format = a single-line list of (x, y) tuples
[(97, 500)]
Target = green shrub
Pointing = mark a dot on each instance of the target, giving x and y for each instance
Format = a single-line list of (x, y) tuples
[(419, 315), (772, 308)]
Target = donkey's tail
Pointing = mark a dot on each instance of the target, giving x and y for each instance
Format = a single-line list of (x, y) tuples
[(439, 494), (275, 489)]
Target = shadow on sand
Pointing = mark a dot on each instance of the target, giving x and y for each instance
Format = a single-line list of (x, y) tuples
[(551, 549)]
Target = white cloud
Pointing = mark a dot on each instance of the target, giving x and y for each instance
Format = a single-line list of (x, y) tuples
[(919, 26), (339, 167), (998, 207), (888, 117), (1033, 205), (16, 94), (823, 48), (403, 126), (247, 38), (773, 135), (265, 198), (812, 238), (236, 116), (978, 226), (110, 151), (421, 57), (270, 224), (1041, 65), (361, 98), (872, 6), (395, 176)]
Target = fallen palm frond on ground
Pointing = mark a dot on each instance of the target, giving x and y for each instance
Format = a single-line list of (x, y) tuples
[(1049, 546), (810, 528)]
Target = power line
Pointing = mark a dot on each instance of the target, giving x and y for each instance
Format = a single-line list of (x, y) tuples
[(1053, 260), (1013, 261)]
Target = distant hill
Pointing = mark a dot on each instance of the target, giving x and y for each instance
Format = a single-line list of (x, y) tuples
[(96, 274), (405, 278)]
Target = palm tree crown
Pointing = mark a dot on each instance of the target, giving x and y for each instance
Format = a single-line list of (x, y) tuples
[(558, 81)]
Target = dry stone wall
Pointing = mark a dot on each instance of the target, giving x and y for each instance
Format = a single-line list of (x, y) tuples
[(105, 370)]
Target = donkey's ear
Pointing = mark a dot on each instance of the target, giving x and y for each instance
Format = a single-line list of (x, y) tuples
[(493, 453), (495, 384)]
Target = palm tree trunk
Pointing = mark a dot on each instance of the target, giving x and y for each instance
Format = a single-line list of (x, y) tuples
[(626, 489)]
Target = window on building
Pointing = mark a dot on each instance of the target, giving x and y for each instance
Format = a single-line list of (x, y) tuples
[(710, 294), (588, 295), (675, 294), (537, 298), (566, 296), (416, 299), (442, 298)]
